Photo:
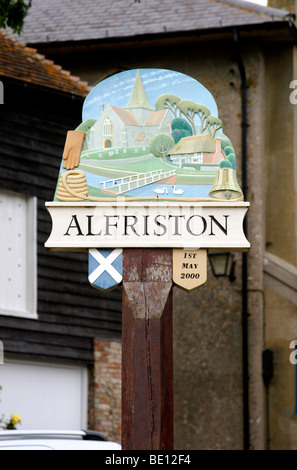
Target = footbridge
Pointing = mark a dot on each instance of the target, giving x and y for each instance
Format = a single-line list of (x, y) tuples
[(126, 183)]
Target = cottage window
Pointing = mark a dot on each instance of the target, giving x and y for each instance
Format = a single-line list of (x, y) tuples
[(18, 255), (107, 127)]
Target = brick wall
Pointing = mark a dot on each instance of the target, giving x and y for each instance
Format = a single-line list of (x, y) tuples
[(105, 389)]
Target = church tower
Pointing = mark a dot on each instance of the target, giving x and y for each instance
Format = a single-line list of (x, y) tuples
[(139, 105)]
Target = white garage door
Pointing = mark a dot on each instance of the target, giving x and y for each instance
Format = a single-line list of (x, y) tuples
[(46, 395)]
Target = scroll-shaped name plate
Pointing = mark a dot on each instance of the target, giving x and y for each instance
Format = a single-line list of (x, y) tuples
[(192, 225)]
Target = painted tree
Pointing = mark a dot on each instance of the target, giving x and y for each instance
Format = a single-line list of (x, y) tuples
[(180, 128), (13, 13), (230, 162), (212, 125), (225, 164), (232, 159), (228, 150), (170, 102), (191, 109), (161, 144), (86, 125), (227, 146)]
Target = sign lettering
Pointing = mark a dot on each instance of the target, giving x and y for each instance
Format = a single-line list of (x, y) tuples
[(192, 225)]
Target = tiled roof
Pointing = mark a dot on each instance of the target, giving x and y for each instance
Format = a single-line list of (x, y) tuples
[(125, 116), (24, 63), (68, 20), (155, 118)]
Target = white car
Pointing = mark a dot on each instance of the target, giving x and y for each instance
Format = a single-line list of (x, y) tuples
[(55, 440)]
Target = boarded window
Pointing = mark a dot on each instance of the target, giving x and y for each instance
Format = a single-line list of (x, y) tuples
[(18, 255)]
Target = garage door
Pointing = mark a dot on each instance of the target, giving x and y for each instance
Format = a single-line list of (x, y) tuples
[(46, 395)]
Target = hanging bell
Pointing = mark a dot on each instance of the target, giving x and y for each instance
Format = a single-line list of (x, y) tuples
[(225, 185)]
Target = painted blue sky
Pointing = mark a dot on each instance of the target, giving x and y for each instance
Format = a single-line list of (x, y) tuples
[(116, 90)]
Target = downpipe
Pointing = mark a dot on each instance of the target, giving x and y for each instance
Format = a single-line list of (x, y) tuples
[(245, 314)]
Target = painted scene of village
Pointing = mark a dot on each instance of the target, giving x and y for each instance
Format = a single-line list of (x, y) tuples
[(146, 134)]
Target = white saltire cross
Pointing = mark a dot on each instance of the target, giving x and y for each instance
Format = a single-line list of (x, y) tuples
[(102, 273)]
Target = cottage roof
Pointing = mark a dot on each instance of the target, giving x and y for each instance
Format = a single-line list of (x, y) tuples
[(24, 63), (126, 117), (194, 144), (57, 21)]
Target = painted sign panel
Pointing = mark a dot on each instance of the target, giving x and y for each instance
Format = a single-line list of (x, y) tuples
[(148, 134)]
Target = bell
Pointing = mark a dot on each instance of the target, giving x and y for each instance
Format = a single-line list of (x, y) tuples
[(225, 185)]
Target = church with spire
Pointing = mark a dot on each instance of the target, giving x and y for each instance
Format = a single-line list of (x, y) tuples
[(134, 125)]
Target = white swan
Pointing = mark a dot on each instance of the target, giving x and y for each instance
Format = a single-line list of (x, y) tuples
[(161, 191), (177, 191)]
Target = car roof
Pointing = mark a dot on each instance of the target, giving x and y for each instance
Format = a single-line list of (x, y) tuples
[(55, 440)]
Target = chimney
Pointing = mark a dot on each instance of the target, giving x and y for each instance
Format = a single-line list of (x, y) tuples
[(101, 108)]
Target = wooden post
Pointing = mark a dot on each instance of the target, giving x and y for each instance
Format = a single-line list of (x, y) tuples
[(147, 360)]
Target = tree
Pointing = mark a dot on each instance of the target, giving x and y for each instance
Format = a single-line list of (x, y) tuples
[(169, 102), (161, 145), (228, 150), (232, 159), (13, 13), (86, 125), (180, 128), (191, 109), (230, 162), (227, 146), (225, 164), (213, 124)]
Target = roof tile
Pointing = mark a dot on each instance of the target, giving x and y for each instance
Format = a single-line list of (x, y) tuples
[(98, 19), (24, 63)]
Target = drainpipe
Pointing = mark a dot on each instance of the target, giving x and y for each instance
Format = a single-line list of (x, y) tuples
[(245, 314)]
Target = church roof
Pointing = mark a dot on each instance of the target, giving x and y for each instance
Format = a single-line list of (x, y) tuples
[(126, 117), (138, 98), (194, 144), (156, 118)]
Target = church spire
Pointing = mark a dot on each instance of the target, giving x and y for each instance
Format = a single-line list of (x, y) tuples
[(138, 98)]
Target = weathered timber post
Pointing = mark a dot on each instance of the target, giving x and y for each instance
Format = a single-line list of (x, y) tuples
[(147, 361)]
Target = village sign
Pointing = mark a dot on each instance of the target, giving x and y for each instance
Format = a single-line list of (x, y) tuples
[(148, 167)]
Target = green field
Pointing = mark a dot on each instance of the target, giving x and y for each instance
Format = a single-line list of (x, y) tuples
[(133, 165), (114, 153)]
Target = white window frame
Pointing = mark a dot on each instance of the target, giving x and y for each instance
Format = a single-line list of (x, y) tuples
[(107, 127), (31, 308)]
